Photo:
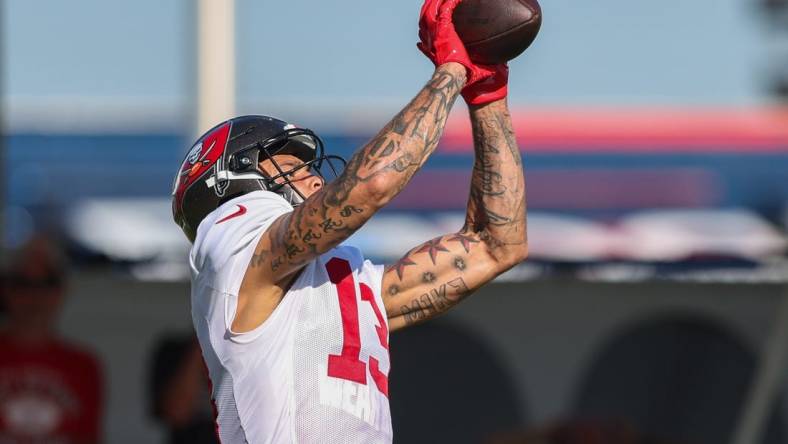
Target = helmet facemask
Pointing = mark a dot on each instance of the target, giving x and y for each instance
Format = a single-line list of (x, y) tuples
[(301, 143)]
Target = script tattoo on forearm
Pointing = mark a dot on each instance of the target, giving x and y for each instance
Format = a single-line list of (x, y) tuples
[(393, 156), (496, 207), (435, 301)]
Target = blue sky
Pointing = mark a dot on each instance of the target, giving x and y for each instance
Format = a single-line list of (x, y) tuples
[(355, 51)]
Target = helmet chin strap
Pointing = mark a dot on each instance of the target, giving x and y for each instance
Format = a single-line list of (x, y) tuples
[(290, 194)]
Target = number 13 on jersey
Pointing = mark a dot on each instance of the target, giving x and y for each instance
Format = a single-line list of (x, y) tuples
[(348, 365)]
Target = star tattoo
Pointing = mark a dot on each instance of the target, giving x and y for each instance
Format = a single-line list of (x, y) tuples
[(433, 247), (466, 241), (401, 264)]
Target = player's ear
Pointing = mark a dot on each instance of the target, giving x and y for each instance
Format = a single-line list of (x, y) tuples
[(316, 182)]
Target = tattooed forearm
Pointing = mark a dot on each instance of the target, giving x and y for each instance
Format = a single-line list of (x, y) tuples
[(496, 207), (372, 177), (403, 145), (435, 301)]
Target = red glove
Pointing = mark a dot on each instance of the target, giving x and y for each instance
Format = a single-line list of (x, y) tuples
[(490, 89), (440, 42)]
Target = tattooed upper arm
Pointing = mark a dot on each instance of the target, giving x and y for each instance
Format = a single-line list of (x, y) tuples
[(434, 277)]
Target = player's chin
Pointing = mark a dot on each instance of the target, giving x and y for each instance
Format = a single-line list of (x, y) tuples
[(309, 192)]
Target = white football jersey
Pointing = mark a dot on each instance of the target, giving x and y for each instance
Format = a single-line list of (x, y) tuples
[(316, 371)]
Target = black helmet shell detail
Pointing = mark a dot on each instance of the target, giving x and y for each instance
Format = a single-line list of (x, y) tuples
[(223, 164)]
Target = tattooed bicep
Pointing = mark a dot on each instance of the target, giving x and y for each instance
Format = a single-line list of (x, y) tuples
[(435, 276), (435, 300)]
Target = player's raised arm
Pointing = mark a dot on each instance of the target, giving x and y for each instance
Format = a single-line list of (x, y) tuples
[(377, 172), (373, 176), (435, 276)]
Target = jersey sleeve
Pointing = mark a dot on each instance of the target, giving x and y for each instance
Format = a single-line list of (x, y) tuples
[(374, 274), (227, 237)]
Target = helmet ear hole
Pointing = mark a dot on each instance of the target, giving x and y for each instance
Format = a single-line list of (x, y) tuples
[(244, 162)]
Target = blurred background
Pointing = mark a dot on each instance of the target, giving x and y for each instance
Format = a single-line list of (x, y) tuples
[(653, 307)]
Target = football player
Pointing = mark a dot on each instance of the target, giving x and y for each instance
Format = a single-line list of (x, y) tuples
[(294, 326)]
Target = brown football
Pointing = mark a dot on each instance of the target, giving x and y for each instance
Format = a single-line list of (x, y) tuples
[(496, 31)]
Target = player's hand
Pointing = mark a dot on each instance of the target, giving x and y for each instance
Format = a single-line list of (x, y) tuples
[(440, 42), (490, 89)]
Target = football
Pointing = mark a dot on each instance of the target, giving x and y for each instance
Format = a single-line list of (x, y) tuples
[(496, 31)]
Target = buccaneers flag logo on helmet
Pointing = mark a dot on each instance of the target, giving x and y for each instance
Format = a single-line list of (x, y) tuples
[(202, 157)]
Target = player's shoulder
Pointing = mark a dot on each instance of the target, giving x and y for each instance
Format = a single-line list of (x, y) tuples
[(235, 224), (248, 207)]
